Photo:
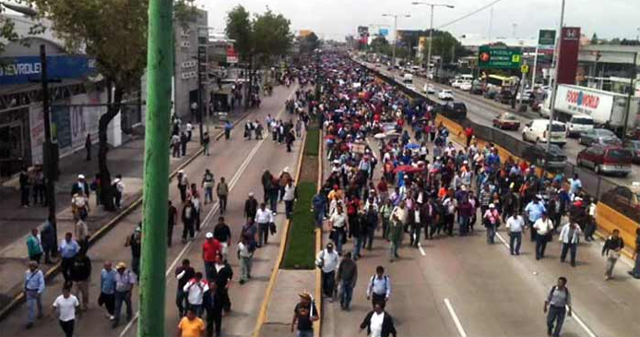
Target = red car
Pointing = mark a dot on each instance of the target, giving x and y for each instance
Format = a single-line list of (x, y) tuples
[(506, 121), (606, 159)]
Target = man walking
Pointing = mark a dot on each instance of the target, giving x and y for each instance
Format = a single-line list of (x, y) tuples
[(188, 221), (81, 275), (245, 256), (304, 314), (172, 219), (379, 288), (108, 289), (398, 219), (515, 225), (347, 278), (612, 249), (378, 323), (125, 280), (223, 192), (543, 227), (222, 233), (68, 248), (210, 250), (206, 141), (264, 219), (66, 305), (87, 146), (207, 184), (194, 290), (534, 211), (191, 325), (371, 223), (290, 194), (183, 273), (34, 286), (250, 206), (570, 237), (327, 261), (337, 223), (555, 306), (34, 246), (48, 240)]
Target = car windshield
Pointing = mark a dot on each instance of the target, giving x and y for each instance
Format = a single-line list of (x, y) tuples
[(610, 141), (558, 128), (509, 117), (619, 154), (582, 121), (604, 132)]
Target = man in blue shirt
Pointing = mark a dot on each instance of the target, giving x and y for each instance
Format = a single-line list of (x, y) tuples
[(576, 184), (108, 289), (69, 248), (33, 288), (534, 212)]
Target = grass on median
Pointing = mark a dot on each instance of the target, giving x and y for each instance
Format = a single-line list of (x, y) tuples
[(313, 139), (300, 250)]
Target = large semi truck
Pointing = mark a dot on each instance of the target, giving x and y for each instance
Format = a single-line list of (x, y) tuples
[(606, 108)]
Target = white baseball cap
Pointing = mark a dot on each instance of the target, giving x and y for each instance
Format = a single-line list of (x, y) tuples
[(209, 235)]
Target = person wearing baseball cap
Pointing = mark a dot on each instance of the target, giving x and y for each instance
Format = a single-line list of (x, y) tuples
[(210, 249), (125, 280), (80, 186)]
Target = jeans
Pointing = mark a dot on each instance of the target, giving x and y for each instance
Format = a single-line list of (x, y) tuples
[(541, 245), (109, 301), (188, 228), (197, 309), (208, 194), (67, 327), (183, 192), (206, 149), (34, 302), (555, 315), (565, 249), (368, 239), (416, 231), (209, 269), (222, 199), (338, 239), (66, 265), (491, 233), (273, 199), (358, 242), (263, 234), (245, 267), (181, 301), (611, 262), (123, 296), (385, 228), (288, 208), (328, 283), (304, 333), (393, 249), (346, 295), (515, 241), (24, 196), (319, 217)]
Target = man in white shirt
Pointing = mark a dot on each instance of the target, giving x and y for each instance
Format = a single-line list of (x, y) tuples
[(378, 323), (337, 223), (195, 289), (543, 227), (66, 305), (288, 197), (264, 217), (327, 260), (515, 225), (570, 237)]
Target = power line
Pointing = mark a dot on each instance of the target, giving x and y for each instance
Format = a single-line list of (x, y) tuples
[(470, 14)]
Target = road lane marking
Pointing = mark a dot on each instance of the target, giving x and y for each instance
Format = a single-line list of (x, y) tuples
[(206, 222), (584, 326), (421, 249), (455, 318)]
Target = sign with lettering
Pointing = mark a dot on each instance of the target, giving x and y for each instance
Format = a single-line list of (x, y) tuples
[(497, 57), (25, 69)]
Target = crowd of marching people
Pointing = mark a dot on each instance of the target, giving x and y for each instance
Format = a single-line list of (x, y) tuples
[(394, 168)]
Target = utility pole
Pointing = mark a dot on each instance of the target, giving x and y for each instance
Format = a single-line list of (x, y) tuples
[(156, 169), (395, 35), (555, 76), (433, 6), (630, 96), (202, 62), (50, 150)]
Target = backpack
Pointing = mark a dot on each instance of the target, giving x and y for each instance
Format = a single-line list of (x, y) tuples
[(386, 282), (554, 289)]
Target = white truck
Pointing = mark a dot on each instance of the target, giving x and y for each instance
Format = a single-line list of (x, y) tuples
[(604, 107)]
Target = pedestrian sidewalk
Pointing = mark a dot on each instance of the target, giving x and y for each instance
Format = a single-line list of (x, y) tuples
[(16, 222)]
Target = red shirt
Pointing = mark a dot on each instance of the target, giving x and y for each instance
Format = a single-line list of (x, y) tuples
[(210, 250)]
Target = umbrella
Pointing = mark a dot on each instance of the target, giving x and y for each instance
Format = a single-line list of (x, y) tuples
[(412, 146), (393, 134), (403, 168), (380, 136)]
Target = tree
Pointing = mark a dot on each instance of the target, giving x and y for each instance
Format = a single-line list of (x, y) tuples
[(594, 38), (381, 45), (240, 29), (115, 34), (309, 43)]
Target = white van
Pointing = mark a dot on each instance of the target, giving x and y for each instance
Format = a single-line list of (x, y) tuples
[(579, 124), (407, 78), (537, 130)]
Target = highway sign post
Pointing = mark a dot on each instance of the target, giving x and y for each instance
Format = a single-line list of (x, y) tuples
[(496, 57)]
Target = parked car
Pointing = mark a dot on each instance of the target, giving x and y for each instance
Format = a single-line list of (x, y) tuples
[(606, 159), (453, 110), (528, 96), (552, 160), (505, 96), (476, 88), (456, 83), (466, 86), (624, 199), (579, 124), (445, 95), (537, 129), (599, 136), (428, 89), (506, 121), (633, 146)]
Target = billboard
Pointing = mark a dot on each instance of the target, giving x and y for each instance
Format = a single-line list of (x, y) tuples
[(568, 58), (383, 32), (422, 46), (363, 34), (577, 100), (498, 57), (25, 69), (232, 55), (546, 39)]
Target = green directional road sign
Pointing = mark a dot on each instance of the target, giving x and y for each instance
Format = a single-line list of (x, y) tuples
[(497, 57)]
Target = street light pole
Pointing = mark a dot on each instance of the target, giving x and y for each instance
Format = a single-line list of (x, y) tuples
[(395, 35), (630, 96), (555, 76), (433, 6)]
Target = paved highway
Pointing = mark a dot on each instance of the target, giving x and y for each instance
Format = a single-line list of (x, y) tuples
[(482, 111), (242, 164)]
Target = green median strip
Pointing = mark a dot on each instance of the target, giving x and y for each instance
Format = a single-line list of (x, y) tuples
[(301, 242), (313, 137)]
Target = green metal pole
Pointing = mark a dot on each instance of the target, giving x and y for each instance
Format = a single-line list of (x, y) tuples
[(156, 169)]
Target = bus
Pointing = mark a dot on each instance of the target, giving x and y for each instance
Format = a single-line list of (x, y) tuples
[(499, 81)]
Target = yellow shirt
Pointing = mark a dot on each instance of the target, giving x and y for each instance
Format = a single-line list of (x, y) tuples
[(191, 328)]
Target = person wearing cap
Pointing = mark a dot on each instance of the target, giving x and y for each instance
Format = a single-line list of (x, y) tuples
[(125, 280), (118, 185), (544, 228), (491, 219), (183, 185), (34, 286), (80, 186), (210, 249), (304, 314), (250, 206), (327, 260)]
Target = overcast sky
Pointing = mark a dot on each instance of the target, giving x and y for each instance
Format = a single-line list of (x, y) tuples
[(333, 19)]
